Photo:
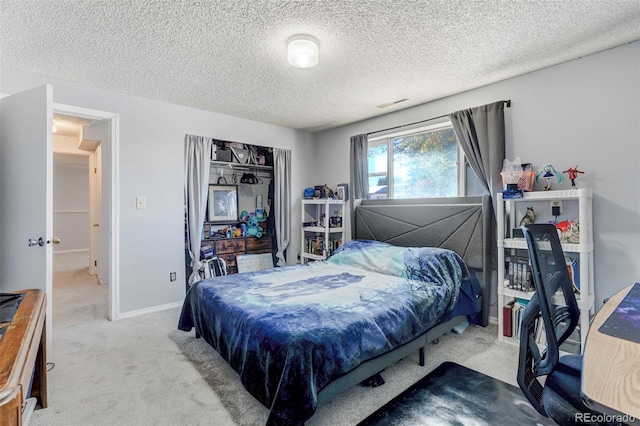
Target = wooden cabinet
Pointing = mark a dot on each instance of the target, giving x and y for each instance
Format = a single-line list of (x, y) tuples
[(229, 248), (23, 360)]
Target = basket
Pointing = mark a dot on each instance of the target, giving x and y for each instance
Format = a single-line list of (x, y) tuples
[(223, 154), (525, 179)]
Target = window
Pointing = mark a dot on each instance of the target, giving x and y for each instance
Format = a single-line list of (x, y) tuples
[(421, 163)]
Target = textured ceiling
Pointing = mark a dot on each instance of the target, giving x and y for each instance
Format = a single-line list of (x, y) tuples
[(229, 56)]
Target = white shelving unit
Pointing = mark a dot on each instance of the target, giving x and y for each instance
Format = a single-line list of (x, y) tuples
[(577, 205), (320, 212)]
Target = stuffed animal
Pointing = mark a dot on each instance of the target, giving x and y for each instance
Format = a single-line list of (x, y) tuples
[(529, 217), (253, 226)]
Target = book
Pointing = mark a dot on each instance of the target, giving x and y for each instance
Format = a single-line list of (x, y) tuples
[(507, 312), (519, 273)]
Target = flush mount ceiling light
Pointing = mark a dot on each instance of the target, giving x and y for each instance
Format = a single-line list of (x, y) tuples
[(302, 51)]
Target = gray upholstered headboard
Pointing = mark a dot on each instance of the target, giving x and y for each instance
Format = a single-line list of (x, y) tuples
[(461, 224)]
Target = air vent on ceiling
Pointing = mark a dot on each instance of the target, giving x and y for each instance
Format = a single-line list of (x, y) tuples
[(392, 103)]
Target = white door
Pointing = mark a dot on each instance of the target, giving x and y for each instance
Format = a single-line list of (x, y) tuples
[(26, 188)]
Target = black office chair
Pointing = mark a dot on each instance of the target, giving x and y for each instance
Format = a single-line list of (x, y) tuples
[(555, 303)]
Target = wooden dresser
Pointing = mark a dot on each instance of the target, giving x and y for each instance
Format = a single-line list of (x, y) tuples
[(229, 248), (23, 359)]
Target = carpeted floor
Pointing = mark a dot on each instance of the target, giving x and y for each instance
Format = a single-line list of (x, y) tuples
[(143, 371)]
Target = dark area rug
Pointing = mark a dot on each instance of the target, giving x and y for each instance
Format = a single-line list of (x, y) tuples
[(455, 395)]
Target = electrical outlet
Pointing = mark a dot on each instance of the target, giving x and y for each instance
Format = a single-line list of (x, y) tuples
[(558, 204), (172, 276), (141, 202)]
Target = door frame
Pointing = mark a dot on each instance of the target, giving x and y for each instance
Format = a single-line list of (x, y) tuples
[(95, 193), (113, 179)]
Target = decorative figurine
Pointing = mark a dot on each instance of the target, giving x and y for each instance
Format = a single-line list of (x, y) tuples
[(573, 174), (328, 192), (548, 172), (569, 231), (529, 217)]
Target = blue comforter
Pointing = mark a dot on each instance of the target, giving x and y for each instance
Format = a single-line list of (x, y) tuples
[(290, 331)]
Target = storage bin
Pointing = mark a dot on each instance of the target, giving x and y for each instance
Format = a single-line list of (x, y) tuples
[(223, 154), (525, 179)]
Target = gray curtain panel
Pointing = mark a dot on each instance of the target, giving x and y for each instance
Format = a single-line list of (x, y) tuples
[(282, 201), (197, 157), (359, 172), (480, 131)]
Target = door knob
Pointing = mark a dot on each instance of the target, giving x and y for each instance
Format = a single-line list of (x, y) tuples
[(96, 225)]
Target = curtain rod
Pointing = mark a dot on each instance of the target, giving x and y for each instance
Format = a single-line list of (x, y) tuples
[(508, 102)]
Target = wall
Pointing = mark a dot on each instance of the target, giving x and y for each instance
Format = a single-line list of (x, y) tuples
[(151, 164), (70, 210), (584, 112)]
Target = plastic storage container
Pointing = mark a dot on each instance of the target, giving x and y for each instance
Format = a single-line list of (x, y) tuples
[(524, 179)]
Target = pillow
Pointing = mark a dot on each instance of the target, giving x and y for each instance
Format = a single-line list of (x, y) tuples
[(417, 263)]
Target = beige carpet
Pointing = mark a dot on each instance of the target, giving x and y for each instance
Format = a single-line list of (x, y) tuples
[(143, 371)]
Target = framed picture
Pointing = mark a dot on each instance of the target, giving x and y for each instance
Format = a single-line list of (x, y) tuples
[(223, 203), (343, 191)]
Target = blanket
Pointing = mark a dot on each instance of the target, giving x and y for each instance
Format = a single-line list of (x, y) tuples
[(288, 332)]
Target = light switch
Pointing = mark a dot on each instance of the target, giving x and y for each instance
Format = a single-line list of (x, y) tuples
[(141, 202)]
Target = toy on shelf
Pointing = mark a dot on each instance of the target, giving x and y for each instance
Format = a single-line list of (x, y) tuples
[(569, 231), (573, 174), (253, 227), (309, 193), (548, 172), (529, 217)]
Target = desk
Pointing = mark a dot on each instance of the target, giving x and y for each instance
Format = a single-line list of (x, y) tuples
[(611, 367), (23, 364)]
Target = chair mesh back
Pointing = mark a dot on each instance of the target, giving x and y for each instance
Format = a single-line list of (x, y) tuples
[(553, 307)]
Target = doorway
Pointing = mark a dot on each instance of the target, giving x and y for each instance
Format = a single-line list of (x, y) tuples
[(97, 143), (77, 170)]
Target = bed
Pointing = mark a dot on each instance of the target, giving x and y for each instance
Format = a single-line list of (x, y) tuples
[(301, 334)]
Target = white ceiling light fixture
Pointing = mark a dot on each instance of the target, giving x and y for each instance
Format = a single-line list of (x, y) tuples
[(302, 51)]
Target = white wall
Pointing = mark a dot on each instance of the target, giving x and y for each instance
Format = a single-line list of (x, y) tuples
[(151, 165), (584, 112), (71, 204)]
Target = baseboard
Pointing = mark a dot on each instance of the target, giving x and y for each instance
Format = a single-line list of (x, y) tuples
[(493, 320), (150, 310)]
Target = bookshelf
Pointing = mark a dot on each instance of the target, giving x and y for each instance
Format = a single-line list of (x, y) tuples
[(576, 205), (323, 228)]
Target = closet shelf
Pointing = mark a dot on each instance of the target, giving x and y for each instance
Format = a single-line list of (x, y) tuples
[(240, 166)]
